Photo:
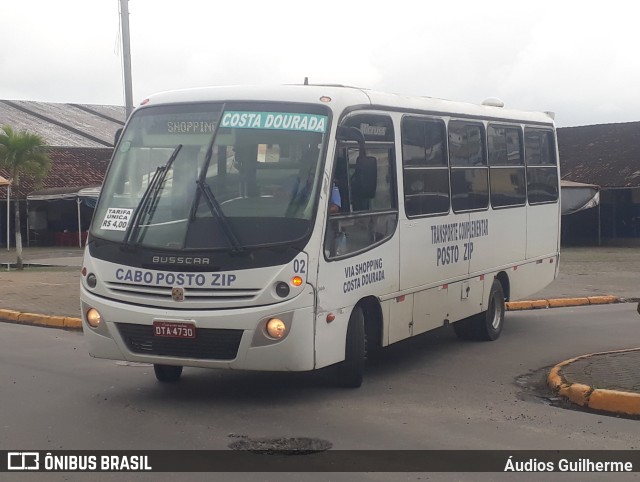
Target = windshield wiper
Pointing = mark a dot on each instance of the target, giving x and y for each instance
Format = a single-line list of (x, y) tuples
[(150, 196), (205, 168), (212, 202), (216, 210)]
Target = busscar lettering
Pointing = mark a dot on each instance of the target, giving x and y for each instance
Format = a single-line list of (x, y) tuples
[(179, 260)]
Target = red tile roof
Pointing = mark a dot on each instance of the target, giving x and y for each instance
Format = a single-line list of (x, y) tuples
[(70, 166), (607, 155)]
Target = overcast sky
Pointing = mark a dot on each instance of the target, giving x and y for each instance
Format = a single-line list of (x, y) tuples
[(580, 59)]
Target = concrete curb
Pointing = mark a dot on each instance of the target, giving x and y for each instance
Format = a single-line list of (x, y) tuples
[(560, 302), (64, 322), (614, 401)]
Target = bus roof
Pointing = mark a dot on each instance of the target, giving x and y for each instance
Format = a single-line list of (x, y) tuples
[(343, 97)]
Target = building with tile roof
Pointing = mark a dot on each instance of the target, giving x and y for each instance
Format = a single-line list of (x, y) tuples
[(604, 154), (607, 155), (79, 139)]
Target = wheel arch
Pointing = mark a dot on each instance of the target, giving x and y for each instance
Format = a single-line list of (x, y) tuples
[(373, 320), (503, 278)]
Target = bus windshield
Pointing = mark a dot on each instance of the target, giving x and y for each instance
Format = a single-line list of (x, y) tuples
[(214, 176)]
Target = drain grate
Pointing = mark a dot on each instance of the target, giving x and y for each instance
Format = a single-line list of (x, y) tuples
[(282, 446)]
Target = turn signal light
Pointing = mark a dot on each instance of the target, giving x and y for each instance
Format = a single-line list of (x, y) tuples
[(296, 281)]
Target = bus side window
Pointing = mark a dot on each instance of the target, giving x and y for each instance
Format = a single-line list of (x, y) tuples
[(368, 213), (364, 174), (425, 166)]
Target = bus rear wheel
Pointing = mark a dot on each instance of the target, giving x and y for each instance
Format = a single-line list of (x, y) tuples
[(485, 326), (350, 372), (167, 373)]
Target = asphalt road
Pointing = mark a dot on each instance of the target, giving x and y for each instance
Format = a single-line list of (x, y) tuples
[(431, 392)]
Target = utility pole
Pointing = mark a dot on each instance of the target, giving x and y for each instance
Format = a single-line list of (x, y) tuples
[(126, 56)]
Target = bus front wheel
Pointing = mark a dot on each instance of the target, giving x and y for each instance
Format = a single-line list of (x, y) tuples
[(350, 372), (167, 373)]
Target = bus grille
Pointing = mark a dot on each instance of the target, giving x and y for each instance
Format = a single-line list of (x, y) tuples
[(192, 294), (213, 344)]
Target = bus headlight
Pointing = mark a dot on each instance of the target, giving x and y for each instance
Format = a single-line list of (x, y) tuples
[(276, 328), (93, 317)]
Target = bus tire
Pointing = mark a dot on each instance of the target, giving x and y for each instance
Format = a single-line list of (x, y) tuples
[(485, 326), (488, 324), (167, 373), (350, 372)]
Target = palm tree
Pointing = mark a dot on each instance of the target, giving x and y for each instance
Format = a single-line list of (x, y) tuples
[(21, 153)]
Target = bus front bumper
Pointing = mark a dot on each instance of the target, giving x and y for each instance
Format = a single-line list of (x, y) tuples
[(127, 332)]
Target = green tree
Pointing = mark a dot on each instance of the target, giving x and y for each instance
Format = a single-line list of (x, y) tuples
[(22, 153)]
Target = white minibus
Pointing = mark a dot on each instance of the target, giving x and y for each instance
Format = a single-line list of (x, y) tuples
[(291, 228)]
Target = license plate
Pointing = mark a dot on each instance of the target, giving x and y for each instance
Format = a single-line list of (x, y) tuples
[(174, 329)]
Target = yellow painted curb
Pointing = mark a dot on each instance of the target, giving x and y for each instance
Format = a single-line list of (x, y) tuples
[(554, 380), (526, 305), (67, 322), (518, 305), (73, 323), (54, 321), (615, 401), (30, 318), (577, 393), (560, 302), (602, 300), (9, 315)]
